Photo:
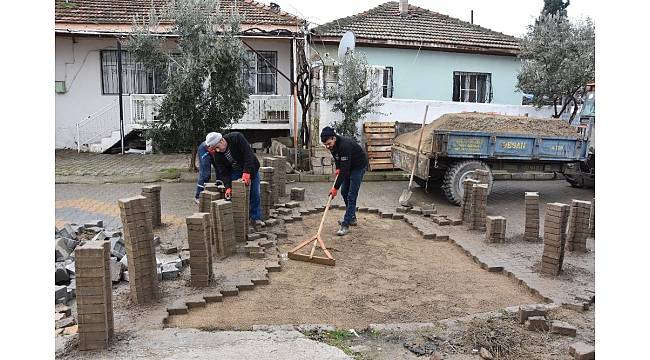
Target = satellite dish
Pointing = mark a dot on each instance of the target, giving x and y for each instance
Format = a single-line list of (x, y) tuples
[(347, 43)]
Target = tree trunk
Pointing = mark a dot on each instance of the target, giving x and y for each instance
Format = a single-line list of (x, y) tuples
[(575, 109), (192, 164), (556, 115)]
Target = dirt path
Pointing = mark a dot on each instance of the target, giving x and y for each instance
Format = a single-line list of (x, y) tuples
[(385, 273)]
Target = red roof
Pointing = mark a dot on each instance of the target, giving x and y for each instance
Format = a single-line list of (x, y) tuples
[(123, 12)]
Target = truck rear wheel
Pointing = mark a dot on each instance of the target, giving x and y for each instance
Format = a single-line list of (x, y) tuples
[(452, 183)]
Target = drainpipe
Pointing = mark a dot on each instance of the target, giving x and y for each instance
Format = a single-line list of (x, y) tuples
[(119, 90)]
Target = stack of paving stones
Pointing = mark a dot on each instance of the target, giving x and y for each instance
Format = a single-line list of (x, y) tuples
[(206, 197), (298, 194), (240, 196), (267, 174), (94, 295), (531, 228), (592, 219), (482, 176), (555, 220), (224, 227), (266, 199), (198, 239), (140, 252), (495, 229), (152, 193), (466, 204), (478, 207), (578, 230), (279, 165)]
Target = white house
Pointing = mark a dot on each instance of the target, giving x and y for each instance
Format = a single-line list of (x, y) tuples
[(86, 34)]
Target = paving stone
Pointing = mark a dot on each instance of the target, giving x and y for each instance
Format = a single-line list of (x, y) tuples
[(177, 308), (230, 292), (116, 270), (65, 322), (537, 323), (197, 302), (70, 330), (60, 292), (245, 285), (168, 249), (61, 252), (60, 273), (398, 216), (273, 267), (117, 247), (582, 351), (217, 297), (94, 223), (260, 281), (170, 271), (563, 328), (63, 309)]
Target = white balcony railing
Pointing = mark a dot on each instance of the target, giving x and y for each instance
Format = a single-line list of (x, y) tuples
[(268, 109)]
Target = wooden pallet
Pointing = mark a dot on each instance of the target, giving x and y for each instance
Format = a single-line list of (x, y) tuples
[(379, 138)]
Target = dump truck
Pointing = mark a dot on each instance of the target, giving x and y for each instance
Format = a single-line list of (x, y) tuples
[(583, 173), (456, 144)]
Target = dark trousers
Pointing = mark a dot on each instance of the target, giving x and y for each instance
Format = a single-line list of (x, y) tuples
[(350, 192)]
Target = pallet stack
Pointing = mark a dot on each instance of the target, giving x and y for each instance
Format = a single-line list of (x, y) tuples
[(266, 197), (152, 193), (466, 204), (478, 209), (555, 221), (578, 230), (94, 295), (240, 213), (198, 239), (224, 227), (267, 175), (531, 227), (495, 229), (141, 255), (379, 139)]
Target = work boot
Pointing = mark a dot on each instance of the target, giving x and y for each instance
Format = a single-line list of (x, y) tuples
[(259, 223), (343, 230), (352, 223)]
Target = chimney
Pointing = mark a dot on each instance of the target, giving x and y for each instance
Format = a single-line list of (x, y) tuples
[(274, 7), (403, 7)]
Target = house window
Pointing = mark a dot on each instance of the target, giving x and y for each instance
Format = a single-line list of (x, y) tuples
[(260, 76), (472, 87), (388, 82), (136, 79)]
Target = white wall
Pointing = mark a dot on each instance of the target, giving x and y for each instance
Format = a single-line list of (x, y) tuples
[(77, 62)]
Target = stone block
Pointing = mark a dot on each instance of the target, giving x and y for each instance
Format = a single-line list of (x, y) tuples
[(170, 271), (527, 311), (60, 273), (116, 270), (60, 292), (61, 252), (94, 223), (117, 247), (562, 328), (65, 322), (582, 351), (537, 323)]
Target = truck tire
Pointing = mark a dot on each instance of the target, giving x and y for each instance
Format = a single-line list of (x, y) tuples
[(452, 183)]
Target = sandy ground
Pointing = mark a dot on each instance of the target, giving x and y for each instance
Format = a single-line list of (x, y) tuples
[(385, 273)]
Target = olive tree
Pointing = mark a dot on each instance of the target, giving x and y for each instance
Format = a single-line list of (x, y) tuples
[(205, 84)]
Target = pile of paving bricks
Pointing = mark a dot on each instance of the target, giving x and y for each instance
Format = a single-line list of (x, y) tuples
[(152, 193), (298, 194), (279, 165), (495, 229), (466, 203), (592, 219), (534, 318), (199, 240), (206, 197), (531, 227), (478, 207), (223, 226), (94, 295), (578, 228), (240, 210), (555, 222), (267, 174), (266, 199), (143, 279)]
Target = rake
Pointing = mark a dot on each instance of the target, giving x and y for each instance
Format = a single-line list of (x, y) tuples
[(316, 239)]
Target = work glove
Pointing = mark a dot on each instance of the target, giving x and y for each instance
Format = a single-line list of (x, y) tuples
[(196, 200), (228, 193), (333, 193), (337, 172), (212, 151), (247, 178)]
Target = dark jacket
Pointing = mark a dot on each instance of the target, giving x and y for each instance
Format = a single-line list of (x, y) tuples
[(348, 156), (241, 151)]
